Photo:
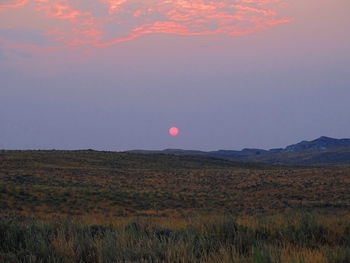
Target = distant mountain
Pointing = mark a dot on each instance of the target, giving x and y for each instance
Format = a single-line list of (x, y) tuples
[(321, 143), (322, 151)]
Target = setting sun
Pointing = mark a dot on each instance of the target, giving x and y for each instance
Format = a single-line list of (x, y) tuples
[(174, 131)]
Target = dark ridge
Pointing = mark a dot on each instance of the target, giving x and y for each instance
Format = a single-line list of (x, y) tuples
[(321, 151)]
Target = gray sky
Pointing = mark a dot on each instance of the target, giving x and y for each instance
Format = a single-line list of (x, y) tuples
[(264, 89)]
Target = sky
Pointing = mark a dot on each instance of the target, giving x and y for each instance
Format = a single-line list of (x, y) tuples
[(117, 74)]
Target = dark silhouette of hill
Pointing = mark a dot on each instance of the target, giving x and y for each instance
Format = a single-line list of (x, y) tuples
[(321, 151), (322, 143)]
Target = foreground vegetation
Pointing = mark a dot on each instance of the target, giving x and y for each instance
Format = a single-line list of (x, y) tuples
[(294, 238), (88, 206)]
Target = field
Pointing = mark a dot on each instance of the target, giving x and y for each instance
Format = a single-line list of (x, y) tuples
[(89, 206)]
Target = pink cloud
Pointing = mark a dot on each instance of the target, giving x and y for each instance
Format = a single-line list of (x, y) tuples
[(198, 17), (74, 25), (12, 4)]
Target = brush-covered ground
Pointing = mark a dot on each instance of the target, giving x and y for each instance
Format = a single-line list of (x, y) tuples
[(89, 206)]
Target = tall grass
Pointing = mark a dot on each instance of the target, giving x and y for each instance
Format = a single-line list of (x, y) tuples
[(301, 238)]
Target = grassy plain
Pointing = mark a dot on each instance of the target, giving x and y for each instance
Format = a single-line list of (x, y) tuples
[(89, 206)]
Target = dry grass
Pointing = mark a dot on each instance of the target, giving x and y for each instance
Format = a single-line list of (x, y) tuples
[(48, 183), (196, 239), (169, 209)]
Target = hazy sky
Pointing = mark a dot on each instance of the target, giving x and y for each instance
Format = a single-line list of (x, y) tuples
[(116, 74)]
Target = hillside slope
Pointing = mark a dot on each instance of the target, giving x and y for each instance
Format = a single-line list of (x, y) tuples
[(70, 183)]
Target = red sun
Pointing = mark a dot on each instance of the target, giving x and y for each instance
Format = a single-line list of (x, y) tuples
[(173, 131)]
